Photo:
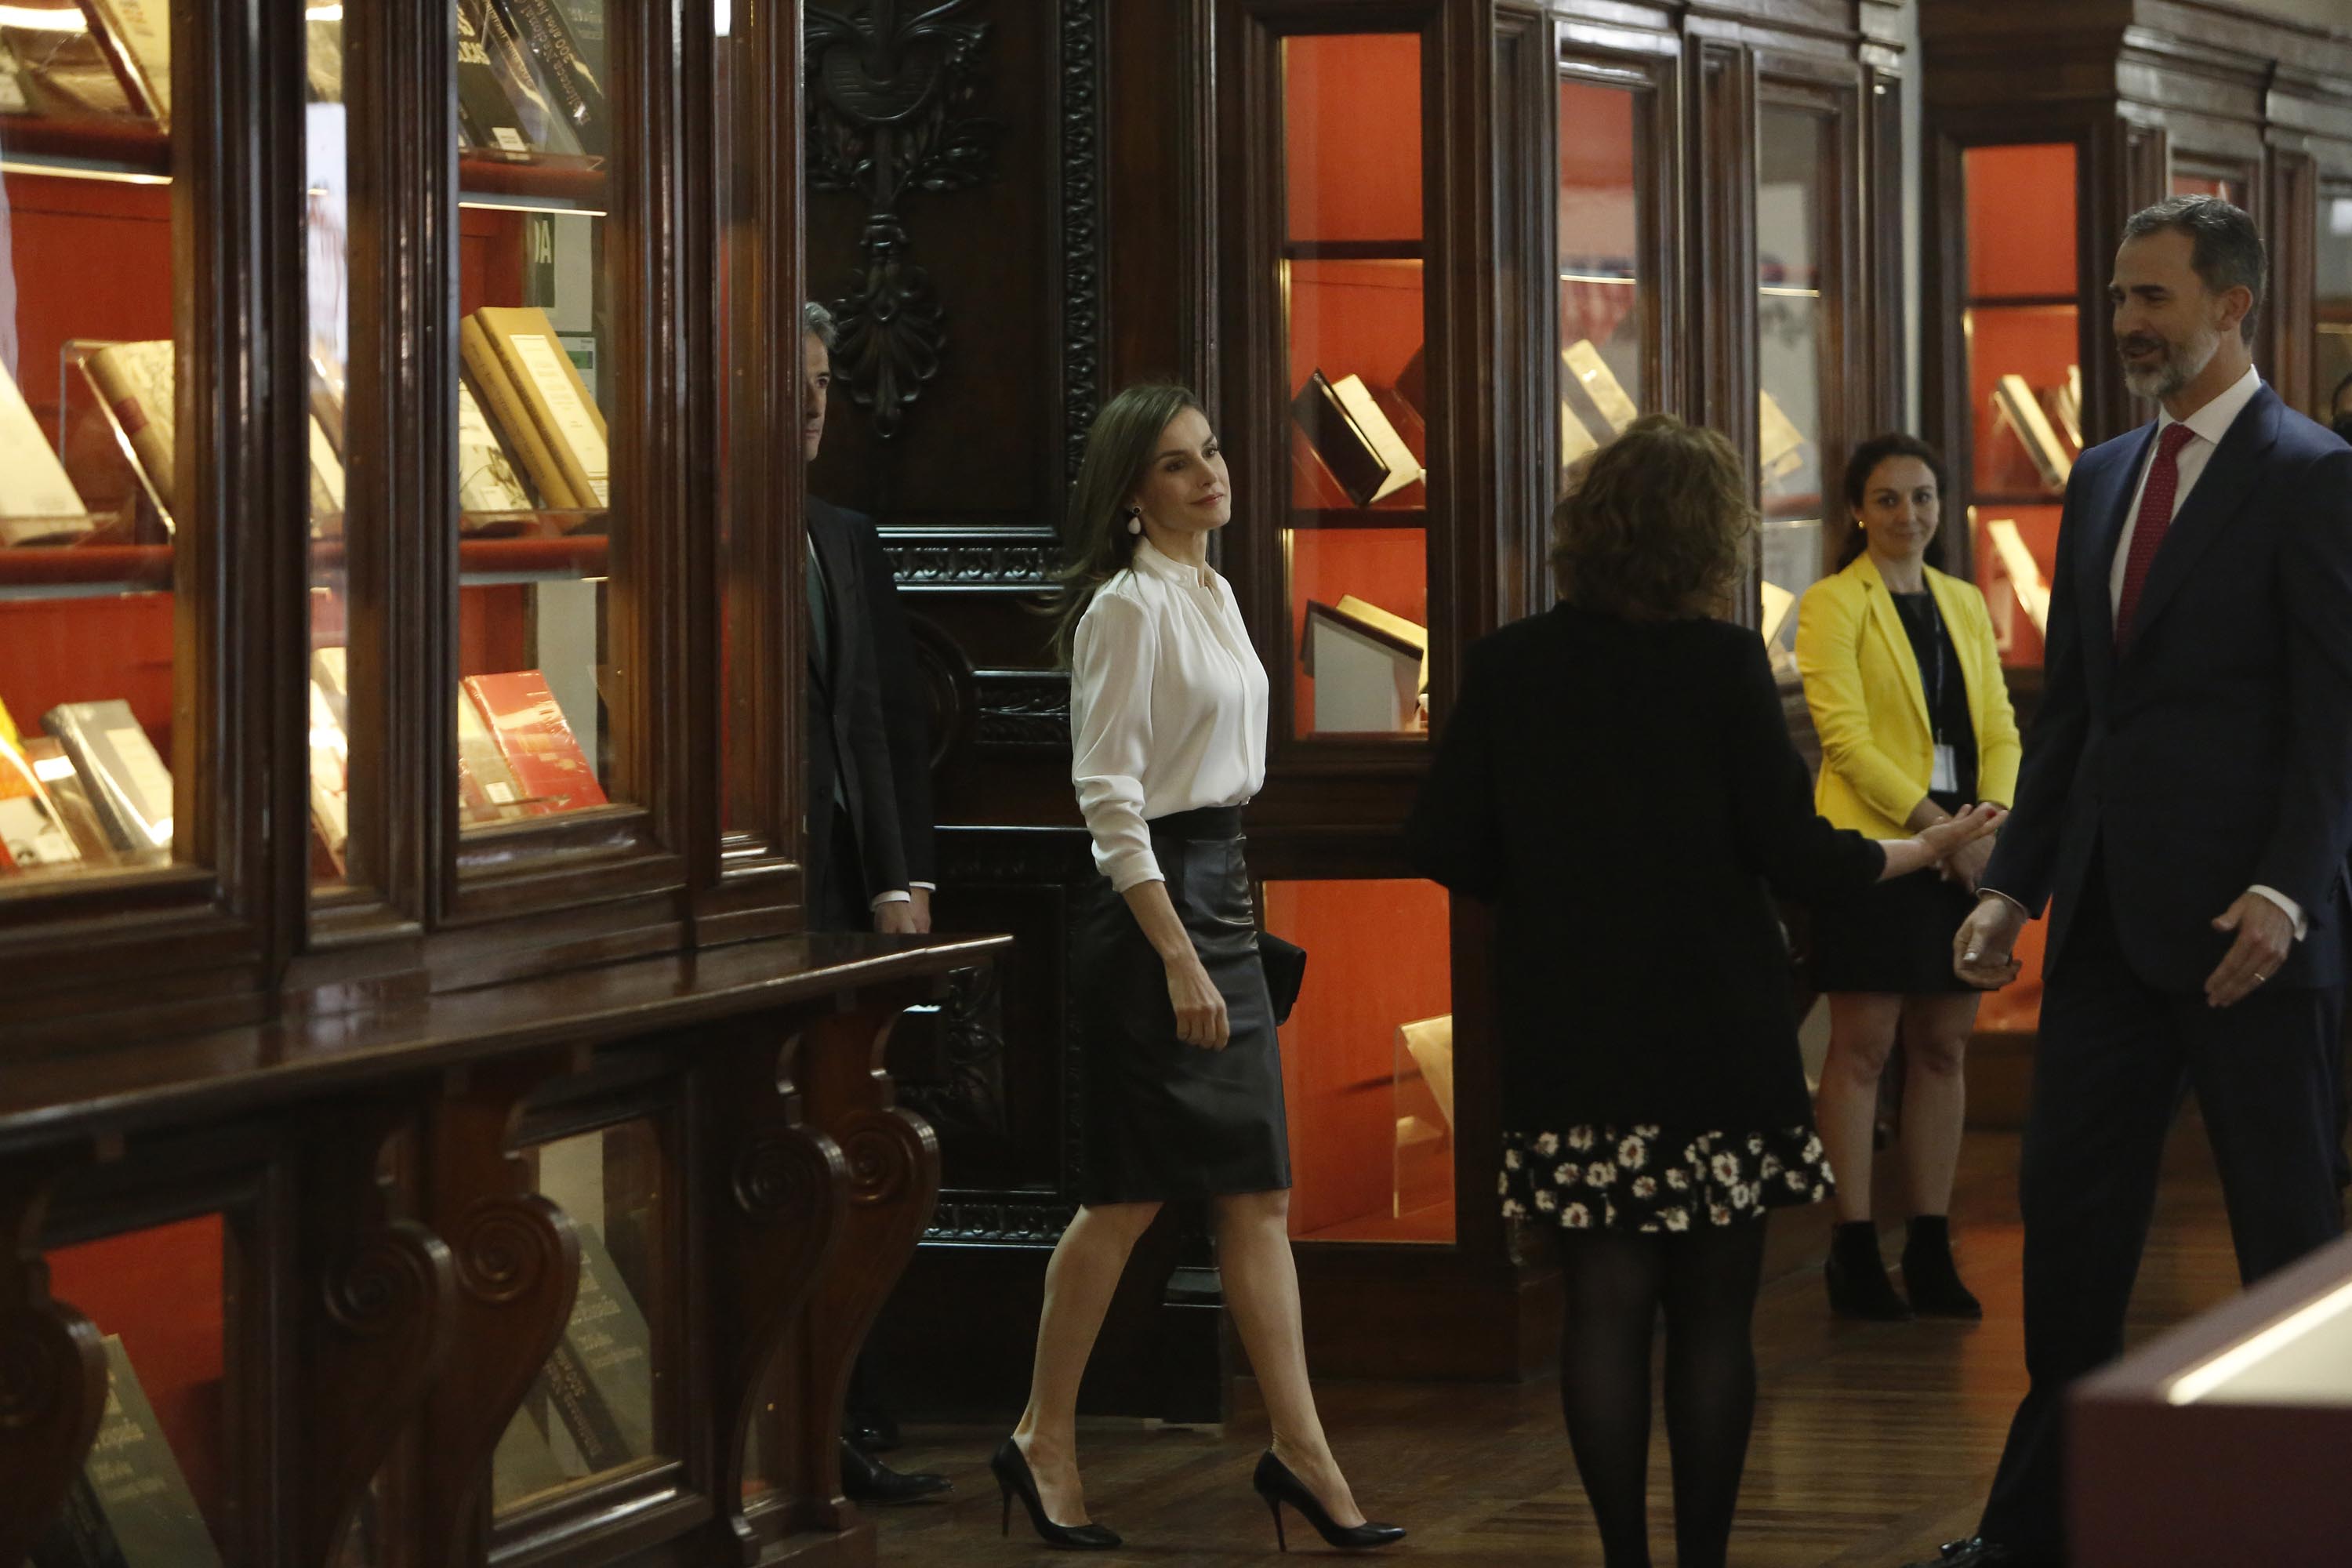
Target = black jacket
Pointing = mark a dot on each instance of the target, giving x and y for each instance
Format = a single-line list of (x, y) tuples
[(847, 734), (2215, 752), (1627, 796)]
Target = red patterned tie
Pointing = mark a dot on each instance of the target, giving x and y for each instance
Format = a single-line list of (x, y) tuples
[(2155, 516)]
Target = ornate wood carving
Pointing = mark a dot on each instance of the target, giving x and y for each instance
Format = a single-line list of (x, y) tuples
[(891, 112), (52, 1370), (517, 1265), (779, 1190), (1022, 709), (894, 1181), (378, 1298), (1082, 259), (1016, 560), (967, 1092)]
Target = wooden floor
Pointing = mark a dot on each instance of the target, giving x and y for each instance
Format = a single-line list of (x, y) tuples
[(1874, 1442)]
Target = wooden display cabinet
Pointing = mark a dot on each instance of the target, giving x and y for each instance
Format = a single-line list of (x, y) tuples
[(2044, 134), (426, 1135)]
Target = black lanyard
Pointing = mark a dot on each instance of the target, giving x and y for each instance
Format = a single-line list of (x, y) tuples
[(1935, 639)]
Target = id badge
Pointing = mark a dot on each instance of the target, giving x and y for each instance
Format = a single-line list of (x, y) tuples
[(1946, 777)]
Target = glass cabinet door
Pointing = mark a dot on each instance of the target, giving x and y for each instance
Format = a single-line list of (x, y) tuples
[(1356, 543), (328, 271), (1795, 154), (2022, 333), (91, 512), (1607, 306), (539, 691)]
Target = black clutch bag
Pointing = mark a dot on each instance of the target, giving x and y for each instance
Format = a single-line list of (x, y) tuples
[(1286, 969)]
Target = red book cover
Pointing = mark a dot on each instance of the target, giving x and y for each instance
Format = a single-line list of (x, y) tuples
[(537, 743)]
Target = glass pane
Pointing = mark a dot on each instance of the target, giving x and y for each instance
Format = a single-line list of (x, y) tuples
[(602, 1402), (159, 1484), (1356, 547), (2023, 333), (2331, 356), (534, 710), (1367, 1060), (1604, 308), (329, 268), (1790, 249), (88, 407)]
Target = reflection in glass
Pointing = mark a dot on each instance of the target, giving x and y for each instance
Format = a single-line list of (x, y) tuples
[(1351, 266), (328, 267), (1793, 150), (1367, 1060), (2332, 354), (537, 688), (598, 1405), (89, 456), (1603, 311)]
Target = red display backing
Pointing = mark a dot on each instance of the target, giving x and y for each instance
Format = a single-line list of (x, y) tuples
[(1384, 566), (1351, 136), (2040, 342), (1354, 318), (1378, 957), (2021, 220), (161, 1292), (92, 259), (2038, 526), (89, 651)]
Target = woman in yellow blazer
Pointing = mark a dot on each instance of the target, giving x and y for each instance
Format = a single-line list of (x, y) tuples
[(1904, 679)]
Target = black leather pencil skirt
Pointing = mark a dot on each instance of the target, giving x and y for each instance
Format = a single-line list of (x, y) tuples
[(1165, 1120)]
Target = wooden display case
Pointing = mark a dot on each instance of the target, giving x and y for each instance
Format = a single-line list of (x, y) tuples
[(427, 1137), (2044, 134)]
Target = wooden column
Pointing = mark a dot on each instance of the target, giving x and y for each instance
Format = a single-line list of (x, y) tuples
[(518, 1266)]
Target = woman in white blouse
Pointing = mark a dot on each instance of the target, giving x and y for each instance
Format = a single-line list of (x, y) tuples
[(1183, 1076)]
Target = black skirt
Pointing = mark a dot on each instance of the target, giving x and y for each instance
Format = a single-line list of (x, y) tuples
[(1164, 1120), (1895, 938)]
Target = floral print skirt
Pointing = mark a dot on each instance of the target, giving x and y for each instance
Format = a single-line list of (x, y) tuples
[(1644, 1178)]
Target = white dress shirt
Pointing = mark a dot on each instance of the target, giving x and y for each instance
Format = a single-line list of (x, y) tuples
[(1168, 705), (2207, 427)]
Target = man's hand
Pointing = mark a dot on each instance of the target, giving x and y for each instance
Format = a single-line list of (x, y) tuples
[(1981, 950), (896, 917), (2265, 937), (922, 905), (1968, 865)]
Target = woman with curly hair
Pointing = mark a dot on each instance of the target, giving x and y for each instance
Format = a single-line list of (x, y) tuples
[(1616, 778)]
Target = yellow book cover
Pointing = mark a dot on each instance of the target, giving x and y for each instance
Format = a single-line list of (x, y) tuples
[(505, 405), (551, 386)]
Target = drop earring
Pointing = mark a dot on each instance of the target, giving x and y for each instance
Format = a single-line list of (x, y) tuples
[(1135, 520)]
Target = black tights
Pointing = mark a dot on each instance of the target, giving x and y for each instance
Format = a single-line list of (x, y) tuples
[(1706, 1279)]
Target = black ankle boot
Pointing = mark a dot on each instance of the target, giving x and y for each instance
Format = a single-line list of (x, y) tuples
[(1857, 1276), (1930, 1277)]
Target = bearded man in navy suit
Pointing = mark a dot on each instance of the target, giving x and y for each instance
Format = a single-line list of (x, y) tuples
[(2184, 811)]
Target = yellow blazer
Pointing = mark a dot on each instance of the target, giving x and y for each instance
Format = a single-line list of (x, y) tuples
[(1869, 706)]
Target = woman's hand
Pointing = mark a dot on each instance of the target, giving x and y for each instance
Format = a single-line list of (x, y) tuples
[(1200, 1008), (1975, 825)]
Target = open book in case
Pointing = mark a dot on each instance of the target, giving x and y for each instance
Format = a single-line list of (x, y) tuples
[(93, 461)]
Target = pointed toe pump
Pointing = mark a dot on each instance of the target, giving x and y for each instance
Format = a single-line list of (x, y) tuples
[(1275, 1482), (1013, 1479)]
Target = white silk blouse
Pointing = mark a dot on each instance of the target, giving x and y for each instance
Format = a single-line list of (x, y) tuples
[(1168, 707)]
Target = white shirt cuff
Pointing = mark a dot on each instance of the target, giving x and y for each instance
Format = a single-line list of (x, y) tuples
[(896, 896), (927, 887), (1984, 892), (2293, 910)]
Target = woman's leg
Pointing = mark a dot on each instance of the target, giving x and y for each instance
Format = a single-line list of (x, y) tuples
[(1862, 1035), (1261, 1280), (1613, 1281), (1079, 1281), (1711, 1277), (1935, 1032), (1935, 1108)]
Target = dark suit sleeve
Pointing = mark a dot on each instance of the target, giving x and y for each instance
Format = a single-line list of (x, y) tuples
[(1453, 836), (1774, 824), (2025, 856), (2307, 843), (857, 699), (906, 710)]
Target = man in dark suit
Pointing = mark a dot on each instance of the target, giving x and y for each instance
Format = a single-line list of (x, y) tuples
[(869, 798), (2185, 809)]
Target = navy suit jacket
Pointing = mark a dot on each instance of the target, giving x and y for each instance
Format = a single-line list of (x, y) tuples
[(2214, 750)]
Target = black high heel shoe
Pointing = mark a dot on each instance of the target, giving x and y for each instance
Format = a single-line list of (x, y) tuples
[(1277, 1484), (1011, 1466)]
